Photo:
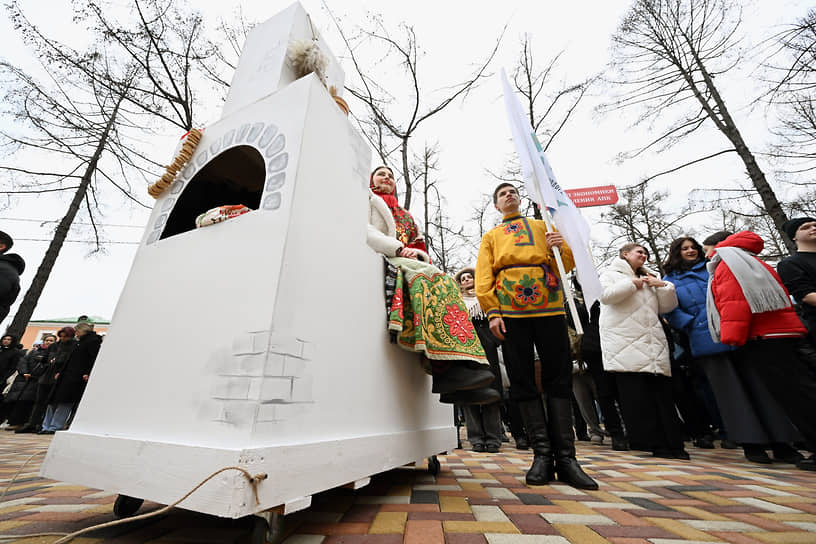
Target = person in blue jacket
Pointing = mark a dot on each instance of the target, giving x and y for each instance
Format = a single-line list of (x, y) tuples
[(751, 416)]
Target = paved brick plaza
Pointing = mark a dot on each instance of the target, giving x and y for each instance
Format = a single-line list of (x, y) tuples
[(476, 498)]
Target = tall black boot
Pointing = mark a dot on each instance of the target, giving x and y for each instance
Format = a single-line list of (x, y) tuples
[(535, 423), (567, 468)]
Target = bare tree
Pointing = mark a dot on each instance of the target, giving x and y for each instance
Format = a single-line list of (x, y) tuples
[(222, 60), (98, 108), (667, 55), (791, 69), (740, 209), (444, 242), (387, 125), (642, 217), (76, 129), (161, 40), (423, 170)]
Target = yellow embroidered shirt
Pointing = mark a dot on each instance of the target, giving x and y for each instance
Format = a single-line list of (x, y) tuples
[(516, 274)]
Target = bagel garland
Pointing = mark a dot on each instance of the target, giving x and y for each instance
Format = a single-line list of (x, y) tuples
[(184, 155)]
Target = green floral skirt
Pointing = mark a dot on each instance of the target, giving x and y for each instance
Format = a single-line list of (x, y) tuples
[(429, 316)]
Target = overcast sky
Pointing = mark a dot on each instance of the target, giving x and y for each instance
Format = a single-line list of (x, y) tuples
[(473, 135)]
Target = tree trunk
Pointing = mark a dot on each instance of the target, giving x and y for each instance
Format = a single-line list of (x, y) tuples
[(406, 174), (32, 296), (729, 128), (442, 264)]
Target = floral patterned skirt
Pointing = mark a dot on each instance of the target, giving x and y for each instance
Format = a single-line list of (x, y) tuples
[(429, 316)]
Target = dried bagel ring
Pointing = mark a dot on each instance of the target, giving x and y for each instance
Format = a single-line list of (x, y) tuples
[(184, 155)]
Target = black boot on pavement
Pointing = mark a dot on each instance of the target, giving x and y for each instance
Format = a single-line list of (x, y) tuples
[(808, 463), (785, 453), (756, 454), (535, 422), (619, 443), (559, 412), (521, 443)]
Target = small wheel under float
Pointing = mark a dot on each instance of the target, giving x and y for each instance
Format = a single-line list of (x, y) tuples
[(433, 465), (126, 506), (267, 528)]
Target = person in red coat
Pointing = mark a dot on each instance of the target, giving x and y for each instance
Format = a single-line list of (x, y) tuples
[(748, 306)]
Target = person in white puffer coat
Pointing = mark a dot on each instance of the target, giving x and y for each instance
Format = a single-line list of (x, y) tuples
[(635, 349)]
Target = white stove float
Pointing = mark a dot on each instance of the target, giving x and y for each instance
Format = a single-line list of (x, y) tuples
[(259, 341)]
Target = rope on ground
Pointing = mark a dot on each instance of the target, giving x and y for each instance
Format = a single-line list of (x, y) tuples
[(32, 456), (253, 481)]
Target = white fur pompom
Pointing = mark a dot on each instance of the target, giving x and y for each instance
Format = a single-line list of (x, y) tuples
[(306, 57)]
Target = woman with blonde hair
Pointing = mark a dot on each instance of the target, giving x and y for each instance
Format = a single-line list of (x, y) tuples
[(635, 348)]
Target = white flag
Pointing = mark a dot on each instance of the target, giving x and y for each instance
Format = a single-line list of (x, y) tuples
[(546, 192)]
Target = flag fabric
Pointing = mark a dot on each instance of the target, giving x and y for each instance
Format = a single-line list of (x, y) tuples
[(541, 185)]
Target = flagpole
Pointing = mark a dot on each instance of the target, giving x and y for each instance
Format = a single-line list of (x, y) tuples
[(521, 137), (576, 320)]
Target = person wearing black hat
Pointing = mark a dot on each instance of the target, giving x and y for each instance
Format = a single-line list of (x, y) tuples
[(798, 272), (11, 266)]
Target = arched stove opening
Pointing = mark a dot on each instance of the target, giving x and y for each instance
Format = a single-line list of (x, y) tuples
[(235, 176)]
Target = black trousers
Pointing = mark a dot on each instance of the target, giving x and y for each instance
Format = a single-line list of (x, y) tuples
[(607, 392), (512, 416), (551, 340), (787, 378), (490, 344), (750, 411), (696, 420), (648, 410), (40, 404)]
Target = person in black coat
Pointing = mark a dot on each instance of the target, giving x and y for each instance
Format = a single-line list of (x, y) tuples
[(604, 381), (24, 389), (71, 377), (55, 356), (11, 266), (10, 355)]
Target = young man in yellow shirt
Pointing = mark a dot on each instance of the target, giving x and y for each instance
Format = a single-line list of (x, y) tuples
[(518, 286)]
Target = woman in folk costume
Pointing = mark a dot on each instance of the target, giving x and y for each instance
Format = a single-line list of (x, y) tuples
[(484, 428), (748, 306), (426, 314), (635, 348), (751, 416)]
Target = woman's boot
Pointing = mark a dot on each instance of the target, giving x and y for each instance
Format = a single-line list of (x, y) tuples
[(559, 413), (535, 423)]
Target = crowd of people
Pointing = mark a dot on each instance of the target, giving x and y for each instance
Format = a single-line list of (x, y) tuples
[(45, 384), (721, 348), (713, 350)]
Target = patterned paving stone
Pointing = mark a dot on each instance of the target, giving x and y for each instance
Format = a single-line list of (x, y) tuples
[(477, 498)]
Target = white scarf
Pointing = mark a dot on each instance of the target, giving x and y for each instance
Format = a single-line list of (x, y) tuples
[(472, 303), (761, 290)]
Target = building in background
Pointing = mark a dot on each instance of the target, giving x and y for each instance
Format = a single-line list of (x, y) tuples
[(38, 327)]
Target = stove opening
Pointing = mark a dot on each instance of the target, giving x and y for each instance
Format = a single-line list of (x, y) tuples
[(236, 176)]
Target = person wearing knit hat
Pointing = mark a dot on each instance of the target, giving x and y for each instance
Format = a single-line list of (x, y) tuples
[(792, 226), (798, 272)]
